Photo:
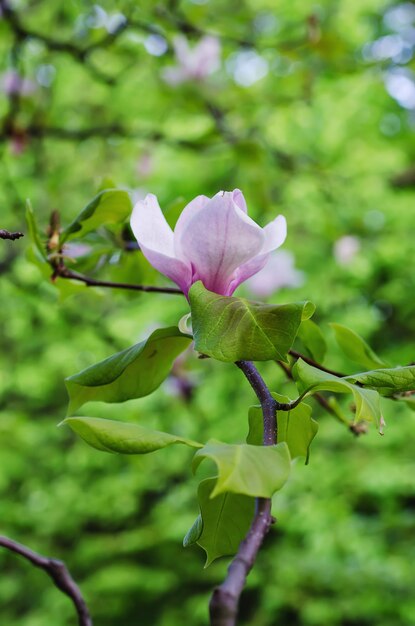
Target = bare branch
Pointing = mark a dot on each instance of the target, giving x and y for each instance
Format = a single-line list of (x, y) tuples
[(91, 282), (225, 598), (58, 572), (5, 234)]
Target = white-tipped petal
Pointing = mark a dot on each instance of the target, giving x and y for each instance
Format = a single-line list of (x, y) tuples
[(155, 238)]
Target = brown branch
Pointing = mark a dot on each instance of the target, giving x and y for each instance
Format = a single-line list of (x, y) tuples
[(298, 355), (64, 272), (5, 234), (225, 598), (59, 574)]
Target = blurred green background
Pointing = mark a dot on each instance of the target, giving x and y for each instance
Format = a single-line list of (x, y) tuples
[(312, 115)]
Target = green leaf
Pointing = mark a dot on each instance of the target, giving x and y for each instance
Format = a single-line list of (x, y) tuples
[(295, 427), (121, 437), (356, 348), (387, 381), (35, 238), (257, 471), (110, 206), (194, 531), (313, 340), (310, 379), (223, 522), (233, 329), (132, 373)]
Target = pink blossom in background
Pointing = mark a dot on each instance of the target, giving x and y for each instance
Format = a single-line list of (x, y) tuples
[(193, 64), (214, 241), (12, 84), (145, 165), (346, 248), (279, 272)]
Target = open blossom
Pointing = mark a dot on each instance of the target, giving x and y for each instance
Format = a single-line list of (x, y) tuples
[(12, 84), (214, 241), (280, 271), (193, 64)]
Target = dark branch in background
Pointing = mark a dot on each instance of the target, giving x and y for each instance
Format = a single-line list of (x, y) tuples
[(5, 234), (58, 572), (91, 282), (225, 598), (298, 355), (79, 54)]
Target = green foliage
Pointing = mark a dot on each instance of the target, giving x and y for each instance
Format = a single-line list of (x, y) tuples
[(111, 206), (132, 373), (318, 139), (313, 340), (34, 235), (310, 379), (296, 427), (356, 348), (387, 382), (111, 436), (223, 522), (246, 469), (234, 329)]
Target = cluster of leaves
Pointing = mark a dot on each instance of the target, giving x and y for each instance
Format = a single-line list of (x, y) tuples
[(228, 329), (324, 143)]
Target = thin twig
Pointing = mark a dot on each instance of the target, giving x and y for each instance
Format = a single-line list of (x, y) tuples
[(298, 355), (5, 234), (92, 282), (225, 598), (58, 572)]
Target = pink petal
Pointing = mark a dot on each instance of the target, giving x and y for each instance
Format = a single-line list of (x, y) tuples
[(155, 238), (189, 212), (218, 239), (275, 234), (238, 198)]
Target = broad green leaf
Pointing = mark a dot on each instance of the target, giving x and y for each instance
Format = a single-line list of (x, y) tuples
[(257, 471), (38, 245), (310, 379), (313, 340), (223, 522), (295, 427), (132, 373), (387, 381), (110, 206), (356, 348), (233, 329), (122, 437)]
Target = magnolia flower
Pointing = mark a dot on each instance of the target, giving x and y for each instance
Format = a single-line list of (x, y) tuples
[(214, 241), (12, 84), (193, 63), (345, 249), (279, 272)]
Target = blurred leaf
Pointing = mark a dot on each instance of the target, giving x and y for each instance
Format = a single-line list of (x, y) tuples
[(232, 329), (132, 373), (35, 238), (121, 437), (310, 379), (223, 522), (295, 427), (313, 340), (356, 348), (257, 471), (387, 381), (111, 206)]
